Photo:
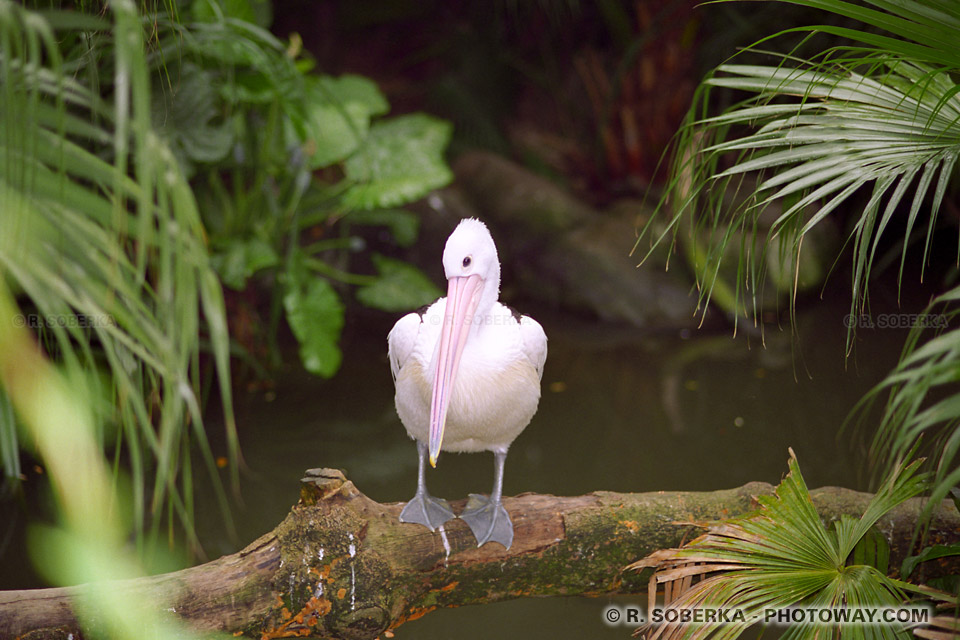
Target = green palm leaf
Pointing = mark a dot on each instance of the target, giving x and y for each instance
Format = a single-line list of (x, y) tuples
[(782, 556), (926, 369), (879, 118), (844, 132), (926, 30)]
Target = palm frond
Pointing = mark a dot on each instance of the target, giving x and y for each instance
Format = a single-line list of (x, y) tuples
[(926, 370), (837, 133), (925, 30), (878, 119), (778, 557), (101, 236)]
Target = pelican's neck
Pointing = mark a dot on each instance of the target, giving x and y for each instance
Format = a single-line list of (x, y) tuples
[(488, 300)]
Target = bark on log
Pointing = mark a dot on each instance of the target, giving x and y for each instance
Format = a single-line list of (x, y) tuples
[(341, 565)]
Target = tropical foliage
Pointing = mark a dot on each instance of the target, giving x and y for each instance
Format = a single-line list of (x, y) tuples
[(872, 126), (782, 556), (103, 243), (152, 153), (279, 156), (928, 369), (90, 542)]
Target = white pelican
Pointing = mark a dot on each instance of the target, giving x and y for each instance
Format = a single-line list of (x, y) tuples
[(467, 371)]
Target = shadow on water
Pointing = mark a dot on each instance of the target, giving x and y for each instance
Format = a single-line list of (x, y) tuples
[(619, 412)]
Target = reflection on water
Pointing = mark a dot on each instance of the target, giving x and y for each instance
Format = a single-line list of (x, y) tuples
[(619, 412)]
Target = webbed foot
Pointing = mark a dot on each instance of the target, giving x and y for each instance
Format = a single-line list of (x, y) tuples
[(488, 521), (426, 510)]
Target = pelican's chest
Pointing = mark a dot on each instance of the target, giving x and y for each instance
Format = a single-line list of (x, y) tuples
[(494, 396)]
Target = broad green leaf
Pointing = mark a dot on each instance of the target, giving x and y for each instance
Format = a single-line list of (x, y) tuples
[(401, 160), (185, 114), (315, 315), (338, 116), (400, 287), (240, 259), (333, 132), (353, 89), (253, 11), (404, 225)]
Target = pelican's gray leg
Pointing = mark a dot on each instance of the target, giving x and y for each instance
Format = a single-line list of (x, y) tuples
[(486, 517), (423, 508)]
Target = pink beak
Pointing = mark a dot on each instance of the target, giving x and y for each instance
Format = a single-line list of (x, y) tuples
[(462, 298)]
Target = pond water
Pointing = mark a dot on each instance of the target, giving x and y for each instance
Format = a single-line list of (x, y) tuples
[(620, 411)]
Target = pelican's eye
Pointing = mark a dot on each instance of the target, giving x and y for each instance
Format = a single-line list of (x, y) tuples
[(467, 261)]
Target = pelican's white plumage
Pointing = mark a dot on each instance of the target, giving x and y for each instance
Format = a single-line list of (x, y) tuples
[(497, 387), (489, 359)]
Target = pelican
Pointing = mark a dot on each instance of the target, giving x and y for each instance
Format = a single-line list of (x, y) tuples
[(467, 371)]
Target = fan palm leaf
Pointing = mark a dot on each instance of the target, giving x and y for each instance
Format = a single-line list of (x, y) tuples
[(778, 557), (879, 120), (842, 132)]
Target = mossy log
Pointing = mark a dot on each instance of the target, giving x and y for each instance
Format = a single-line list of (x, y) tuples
[(341, 565)]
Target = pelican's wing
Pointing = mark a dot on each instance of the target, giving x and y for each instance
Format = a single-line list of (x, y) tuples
[(534, 342), (401, 340)]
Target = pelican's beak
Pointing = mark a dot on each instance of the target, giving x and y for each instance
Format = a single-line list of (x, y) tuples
[(463, 294)]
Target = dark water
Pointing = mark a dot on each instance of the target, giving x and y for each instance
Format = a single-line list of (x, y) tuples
[(620, 411)]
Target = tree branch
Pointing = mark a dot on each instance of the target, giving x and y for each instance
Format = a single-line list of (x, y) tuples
[(341, 565)]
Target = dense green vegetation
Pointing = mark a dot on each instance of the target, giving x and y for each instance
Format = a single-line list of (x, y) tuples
[(153, 157), (161, 161), (880, 116)]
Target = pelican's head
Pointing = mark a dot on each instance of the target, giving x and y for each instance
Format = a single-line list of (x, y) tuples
[(470, 251), (473, 284)]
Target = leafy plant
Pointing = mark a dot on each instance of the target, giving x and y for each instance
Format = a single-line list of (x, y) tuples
[(280, 156), (783, 556), (89, 543), (115, 256), (102, 242), (879, 118), (928, 369)]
